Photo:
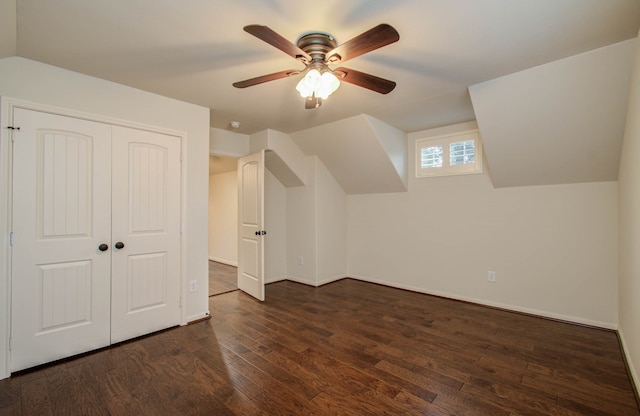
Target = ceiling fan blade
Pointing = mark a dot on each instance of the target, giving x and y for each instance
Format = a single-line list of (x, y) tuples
[(265, 78), (368, 41), (272, 38), (368, 81)]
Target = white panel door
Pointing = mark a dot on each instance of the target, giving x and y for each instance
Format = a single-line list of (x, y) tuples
[(61, 211), (251, 223), (146, 232)]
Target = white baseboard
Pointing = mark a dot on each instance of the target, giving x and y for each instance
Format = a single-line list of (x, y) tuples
[(223, 261), (630, 364), (197, 317), (515, 308), (331, 279), (300, 280), (315, 284), (505, 306), (275, 279)]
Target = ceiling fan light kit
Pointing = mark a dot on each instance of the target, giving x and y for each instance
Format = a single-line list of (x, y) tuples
[(316, 50), (314, 84)]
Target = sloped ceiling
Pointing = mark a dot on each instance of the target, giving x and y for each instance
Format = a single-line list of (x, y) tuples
[(561, 122), (364, 155), (193, 50)]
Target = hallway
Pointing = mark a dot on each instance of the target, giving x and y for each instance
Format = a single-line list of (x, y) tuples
[(222, 278)]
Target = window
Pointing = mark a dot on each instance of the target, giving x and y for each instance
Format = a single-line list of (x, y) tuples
[(457, 154)]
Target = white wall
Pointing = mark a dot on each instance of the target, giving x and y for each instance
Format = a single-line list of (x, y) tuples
[(29, 80), (275, 223), (316, 228), (629, 229), (301, 228), (554, 248), (331, 220), (228, 143), (223, 218)]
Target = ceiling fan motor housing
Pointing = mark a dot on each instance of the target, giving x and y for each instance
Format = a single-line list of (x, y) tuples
[(317, 45)]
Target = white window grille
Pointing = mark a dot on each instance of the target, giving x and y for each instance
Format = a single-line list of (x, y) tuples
[(456, 154)]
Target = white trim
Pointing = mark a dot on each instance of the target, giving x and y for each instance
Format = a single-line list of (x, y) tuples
[(227, 262), (331, 279), (7, 106), (300, 280), (316, 284), (635, 379), (5, 229), (61, 111), (509, 307), (184, 232), (275, 279), (445, 141), (198, 316), (234, 155)]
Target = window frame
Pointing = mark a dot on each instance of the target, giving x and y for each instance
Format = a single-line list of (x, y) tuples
[(447, 169)]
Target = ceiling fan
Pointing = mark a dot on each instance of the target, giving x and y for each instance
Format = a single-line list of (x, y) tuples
[(317, 50)]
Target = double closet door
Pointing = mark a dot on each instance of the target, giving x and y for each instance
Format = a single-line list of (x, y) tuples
[(96, 235)]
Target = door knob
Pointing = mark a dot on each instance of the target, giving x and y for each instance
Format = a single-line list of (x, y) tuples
[(103, 247), (119, 245)]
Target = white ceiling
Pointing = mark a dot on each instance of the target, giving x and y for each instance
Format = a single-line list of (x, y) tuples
[(193, 50)]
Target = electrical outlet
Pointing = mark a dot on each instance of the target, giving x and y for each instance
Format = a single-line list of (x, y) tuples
[(300, 260), (193, 286), (491, 276)]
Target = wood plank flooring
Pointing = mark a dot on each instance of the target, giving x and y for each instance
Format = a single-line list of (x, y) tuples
[(347, 348), (222, 278)]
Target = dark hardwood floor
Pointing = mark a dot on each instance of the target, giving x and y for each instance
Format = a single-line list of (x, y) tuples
[(222, 278), (347, 348)]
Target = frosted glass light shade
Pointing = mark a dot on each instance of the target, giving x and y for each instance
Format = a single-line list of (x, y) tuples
[(320, 85), (329, 83), (310, 83)]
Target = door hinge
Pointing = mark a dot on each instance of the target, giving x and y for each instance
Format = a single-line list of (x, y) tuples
[(180, 302), (12, 239), (12, 129), (10, 343)]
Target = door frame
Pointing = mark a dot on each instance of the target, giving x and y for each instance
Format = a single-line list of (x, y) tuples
[(7, 105)]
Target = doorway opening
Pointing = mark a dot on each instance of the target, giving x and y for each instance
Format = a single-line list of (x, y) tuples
[(223, 278), (223, 224)]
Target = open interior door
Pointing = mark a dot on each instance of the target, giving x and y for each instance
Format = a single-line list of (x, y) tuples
[(251, 225)]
